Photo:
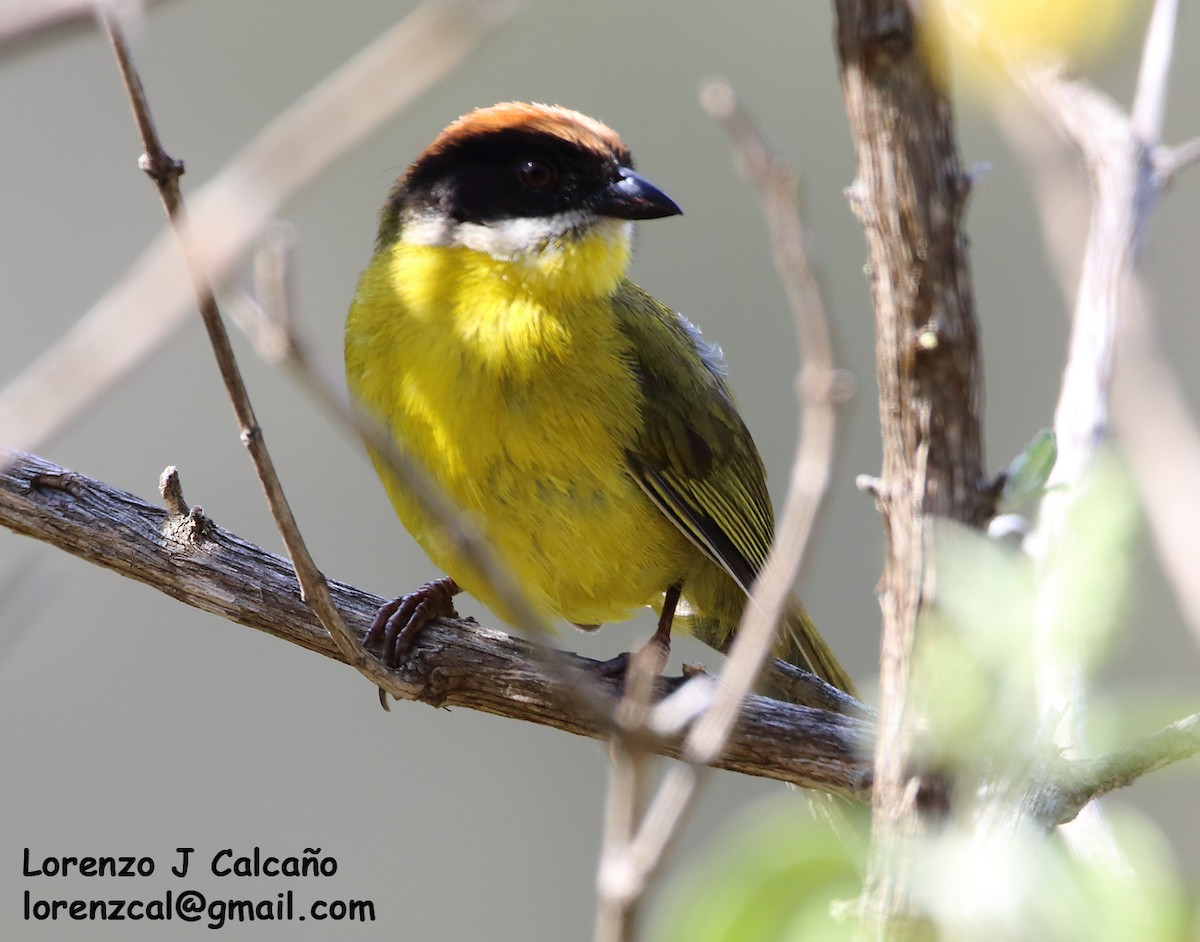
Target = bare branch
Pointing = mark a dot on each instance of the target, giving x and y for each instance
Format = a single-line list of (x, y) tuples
[(625, 876), (153, 299), (165, 172), (1121, 155), (909, 194), (1081, 415), (1150, 99), (1125, 182), (1171, 161), (25, 21), (459, 663), (618, 890), (456, 663), (1083, 780)]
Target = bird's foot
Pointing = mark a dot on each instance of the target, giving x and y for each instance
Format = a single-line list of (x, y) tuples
[(399, 624), (651, 658)]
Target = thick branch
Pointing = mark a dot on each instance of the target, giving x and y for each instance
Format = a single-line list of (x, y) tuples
[(456, 663), (185, 555), (909, 196)]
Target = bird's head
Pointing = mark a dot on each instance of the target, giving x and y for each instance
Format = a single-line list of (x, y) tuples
[(521, 182)]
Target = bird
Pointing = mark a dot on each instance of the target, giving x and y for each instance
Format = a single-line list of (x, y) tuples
[(585, 427)]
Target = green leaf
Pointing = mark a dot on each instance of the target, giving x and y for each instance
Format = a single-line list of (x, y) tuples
[(1025, 480)]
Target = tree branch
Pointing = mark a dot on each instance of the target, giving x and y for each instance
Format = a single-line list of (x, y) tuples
[(1114, 362), (1085, 779), (165, 171), (626, 872), (154, 298), (26, 22), (1169, 162), (182, 553), (909, 195), (1126, 168), (457, 663)]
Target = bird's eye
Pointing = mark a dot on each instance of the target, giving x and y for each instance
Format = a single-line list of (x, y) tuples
[(537, 174)]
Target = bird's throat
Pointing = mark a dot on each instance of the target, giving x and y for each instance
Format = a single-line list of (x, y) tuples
[(511, 311)]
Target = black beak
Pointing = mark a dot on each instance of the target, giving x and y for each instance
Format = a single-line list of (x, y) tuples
[(632, 196)]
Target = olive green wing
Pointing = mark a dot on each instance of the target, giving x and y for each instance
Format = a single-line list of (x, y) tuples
[(693, 454)]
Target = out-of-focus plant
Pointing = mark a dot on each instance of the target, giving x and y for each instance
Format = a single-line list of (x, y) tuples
[(991, 870), (1082, 31)]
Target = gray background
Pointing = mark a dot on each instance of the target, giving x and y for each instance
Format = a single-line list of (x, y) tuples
[(130, 724)]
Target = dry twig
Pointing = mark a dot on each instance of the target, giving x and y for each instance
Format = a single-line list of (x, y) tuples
[(626, 872), (153, 299), (1113, 356), (30, 21), (165, 172)]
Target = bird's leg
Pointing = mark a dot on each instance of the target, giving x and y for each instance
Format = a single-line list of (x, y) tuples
[(655, 652), (399, 623)]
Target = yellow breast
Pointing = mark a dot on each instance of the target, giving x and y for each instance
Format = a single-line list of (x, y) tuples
[(511, 382)]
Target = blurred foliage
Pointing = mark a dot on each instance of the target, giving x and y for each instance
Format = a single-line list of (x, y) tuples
[(986, 880), (1076, 28), (774, 875), (1097, 565), (989, 873), (974, 34), (987, 626)]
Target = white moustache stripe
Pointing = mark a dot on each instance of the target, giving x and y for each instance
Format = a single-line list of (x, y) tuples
[(503, 239)]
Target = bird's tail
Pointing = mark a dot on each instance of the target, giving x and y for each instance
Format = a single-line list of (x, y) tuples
[(799, 641), (801, 644)]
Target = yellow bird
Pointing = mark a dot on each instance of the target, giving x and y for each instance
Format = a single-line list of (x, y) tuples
[(586, 427)]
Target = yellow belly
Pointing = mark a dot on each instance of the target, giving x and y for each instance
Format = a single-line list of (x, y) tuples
[(520, 403)]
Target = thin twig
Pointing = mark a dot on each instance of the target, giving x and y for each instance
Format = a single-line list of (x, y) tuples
[(1154, 73), (775, 187), (1169, 162), (617, 912), (1119, 154), (153, 299), (1084, 780), (165, 172)]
